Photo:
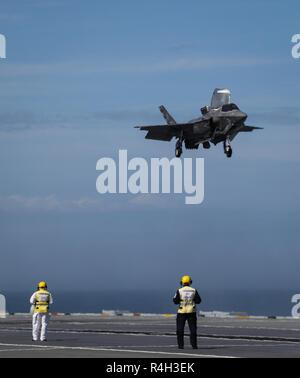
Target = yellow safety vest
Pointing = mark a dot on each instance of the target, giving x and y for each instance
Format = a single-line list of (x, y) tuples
[(187, 303), (42, 300)]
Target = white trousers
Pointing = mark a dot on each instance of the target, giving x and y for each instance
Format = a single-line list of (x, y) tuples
[(40, 323)]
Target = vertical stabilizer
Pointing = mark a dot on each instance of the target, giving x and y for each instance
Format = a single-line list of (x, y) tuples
[(167, 116)]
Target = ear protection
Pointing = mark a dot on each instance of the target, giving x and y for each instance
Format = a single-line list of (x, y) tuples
[(39, 288)]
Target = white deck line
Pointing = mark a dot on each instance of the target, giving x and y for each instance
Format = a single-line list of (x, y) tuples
[(115, 350)]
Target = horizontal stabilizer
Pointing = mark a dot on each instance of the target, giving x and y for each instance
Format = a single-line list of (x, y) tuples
[(250, 128)]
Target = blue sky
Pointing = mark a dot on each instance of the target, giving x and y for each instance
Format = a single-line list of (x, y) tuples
[(77, 78)]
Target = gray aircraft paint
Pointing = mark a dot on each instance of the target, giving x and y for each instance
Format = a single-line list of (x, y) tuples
[(220, 122)]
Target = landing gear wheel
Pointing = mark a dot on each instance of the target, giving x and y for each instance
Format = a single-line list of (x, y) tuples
[(178, 148), (229, 152), (178, 152), (227, 149)]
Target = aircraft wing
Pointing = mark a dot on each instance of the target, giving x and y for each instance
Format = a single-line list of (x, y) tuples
[(167, 132), (159, 132)]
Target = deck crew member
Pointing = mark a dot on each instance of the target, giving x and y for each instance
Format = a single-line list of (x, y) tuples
[(40, 300), (186, 297)]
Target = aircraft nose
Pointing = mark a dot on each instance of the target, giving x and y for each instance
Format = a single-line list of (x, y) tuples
[(243, 116)]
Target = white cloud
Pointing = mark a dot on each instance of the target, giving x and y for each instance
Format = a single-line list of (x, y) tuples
[(84, 67), (24, 120), (49, 203), (105, 203), (193, 64), (161, 201)]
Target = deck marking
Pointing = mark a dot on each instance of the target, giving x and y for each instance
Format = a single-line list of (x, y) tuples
[(117, 350)]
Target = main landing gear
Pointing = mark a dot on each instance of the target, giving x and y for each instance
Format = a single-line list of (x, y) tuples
[(178, 147), (227, 148)]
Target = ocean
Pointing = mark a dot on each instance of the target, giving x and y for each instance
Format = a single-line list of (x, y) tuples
[(259, 302)]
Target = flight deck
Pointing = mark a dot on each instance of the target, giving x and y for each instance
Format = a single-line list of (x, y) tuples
[(150, 336)]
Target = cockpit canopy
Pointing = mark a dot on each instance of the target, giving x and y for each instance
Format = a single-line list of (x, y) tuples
[(220, 97), (229, 107)]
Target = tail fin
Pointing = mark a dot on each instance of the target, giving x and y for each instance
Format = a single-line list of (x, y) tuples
[(167, 116)]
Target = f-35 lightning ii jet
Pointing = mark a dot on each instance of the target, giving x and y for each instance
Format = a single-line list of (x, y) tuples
[(220, 122)]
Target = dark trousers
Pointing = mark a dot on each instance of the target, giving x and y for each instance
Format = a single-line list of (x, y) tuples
[(180, 323)]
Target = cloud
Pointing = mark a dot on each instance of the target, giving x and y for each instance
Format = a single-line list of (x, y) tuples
[(25, 120), (50, 203), (46, 3), (150, 65), (197, 63), (16, 203), (182, 46), (281, 116), (17, 121), (163, 201), (130, 115)]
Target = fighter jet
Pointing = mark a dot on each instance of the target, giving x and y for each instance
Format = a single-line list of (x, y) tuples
[(220, 122)]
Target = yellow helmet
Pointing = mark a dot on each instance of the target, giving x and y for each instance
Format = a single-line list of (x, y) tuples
[(186, 280), (42, 285)]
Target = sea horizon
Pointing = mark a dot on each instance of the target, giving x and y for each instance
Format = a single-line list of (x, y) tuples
[(262, 302)]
